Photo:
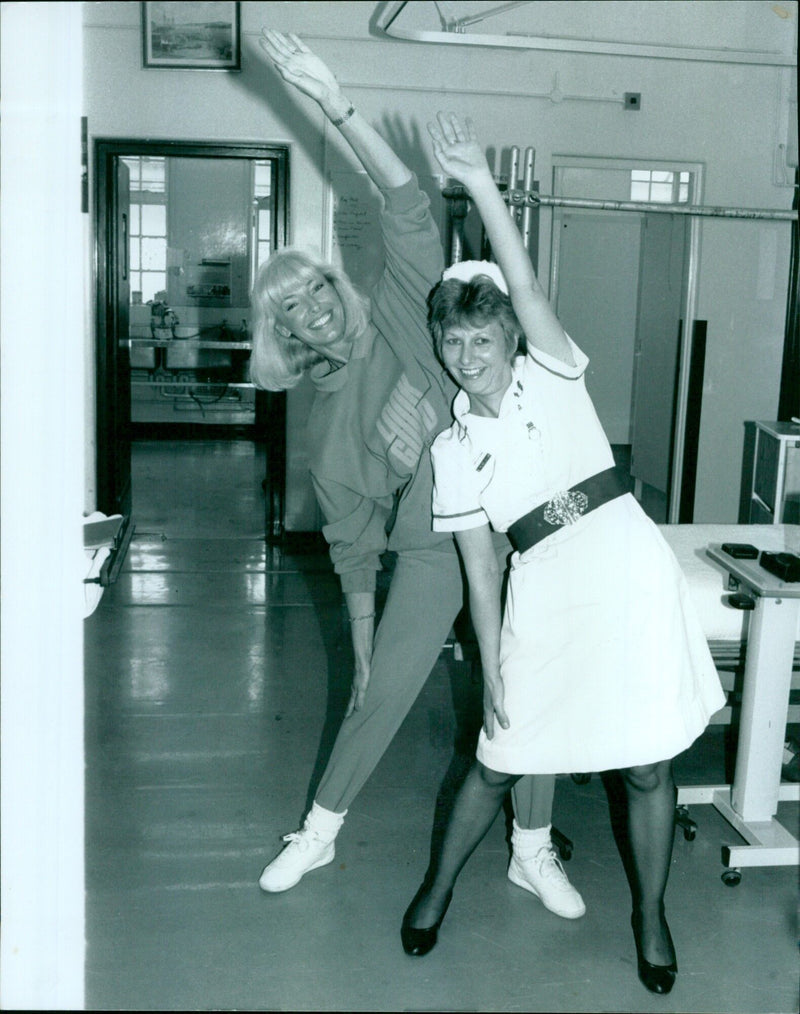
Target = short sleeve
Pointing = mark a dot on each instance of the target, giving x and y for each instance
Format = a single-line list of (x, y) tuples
[(456, 486), (557, 366)]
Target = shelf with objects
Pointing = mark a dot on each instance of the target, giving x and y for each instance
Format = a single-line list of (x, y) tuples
[(192, 246), (190, 373)]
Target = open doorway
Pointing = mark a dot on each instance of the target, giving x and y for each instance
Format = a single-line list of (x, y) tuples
[(620, 282), (181, 228)]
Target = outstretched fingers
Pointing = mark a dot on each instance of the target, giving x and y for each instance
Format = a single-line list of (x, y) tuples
[(280, 47), (450, 127), (298, 43), (448, 133), (275, 44), (453, 130)]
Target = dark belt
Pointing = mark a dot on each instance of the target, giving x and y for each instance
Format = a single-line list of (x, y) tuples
[(567, 507)]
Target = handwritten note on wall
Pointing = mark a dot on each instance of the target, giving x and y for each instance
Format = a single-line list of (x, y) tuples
[(355, 235)]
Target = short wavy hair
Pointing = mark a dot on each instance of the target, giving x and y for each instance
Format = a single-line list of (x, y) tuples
[(453, 303), (278, 362)]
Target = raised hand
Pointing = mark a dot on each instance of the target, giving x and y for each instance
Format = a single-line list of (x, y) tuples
[(296, 64), (457, 152), (456, 148)]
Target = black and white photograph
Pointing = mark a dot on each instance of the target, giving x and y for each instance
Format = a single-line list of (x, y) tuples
[(200, 36), (400, 506)]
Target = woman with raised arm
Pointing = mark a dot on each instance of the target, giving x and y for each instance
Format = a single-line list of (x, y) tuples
[(598, 661), (381, 397)]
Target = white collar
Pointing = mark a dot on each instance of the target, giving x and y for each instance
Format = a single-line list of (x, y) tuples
[(464, 417)]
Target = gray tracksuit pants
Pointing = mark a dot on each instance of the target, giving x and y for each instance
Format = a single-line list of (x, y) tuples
[(425, 596)]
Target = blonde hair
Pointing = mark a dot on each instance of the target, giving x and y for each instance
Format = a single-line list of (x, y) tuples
[(278, 362)]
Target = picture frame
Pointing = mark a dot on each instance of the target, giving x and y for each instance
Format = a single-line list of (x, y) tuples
[(192, 36)]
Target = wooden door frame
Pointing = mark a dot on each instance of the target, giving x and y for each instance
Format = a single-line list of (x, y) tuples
[(106, 152)]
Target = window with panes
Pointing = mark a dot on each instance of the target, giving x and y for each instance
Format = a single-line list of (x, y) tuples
[(148, 225), (262, 211), (660, 186)]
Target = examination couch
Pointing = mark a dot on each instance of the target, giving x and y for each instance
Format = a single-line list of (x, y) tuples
[(727, 627), (751, 618)]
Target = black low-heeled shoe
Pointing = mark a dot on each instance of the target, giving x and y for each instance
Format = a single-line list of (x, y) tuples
[(419, 941), (657, 978)]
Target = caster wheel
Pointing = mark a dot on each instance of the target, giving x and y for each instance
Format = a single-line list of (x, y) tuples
[(565, 852), (581, 779), (730, 878), (685, 822)]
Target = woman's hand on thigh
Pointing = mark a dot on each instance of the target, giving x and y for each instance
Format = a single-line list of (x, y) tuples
[(358, 690), (494, 709)]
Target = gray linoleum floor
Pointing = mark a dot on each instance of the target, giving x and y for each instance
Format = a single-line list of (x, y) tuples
[(216, 669)]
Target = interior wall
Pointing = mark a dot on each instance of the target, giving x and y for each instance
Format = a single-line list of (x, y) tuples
[(730, 117), (598, 308), (42, 557)]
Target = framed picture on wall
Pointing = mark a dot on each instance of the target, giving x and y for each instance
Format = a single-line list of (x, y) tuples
[(192, 36)]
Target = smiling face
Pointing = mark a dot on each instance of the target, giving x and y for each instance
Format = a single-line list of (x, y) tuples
[(312, 311), (478, 359)]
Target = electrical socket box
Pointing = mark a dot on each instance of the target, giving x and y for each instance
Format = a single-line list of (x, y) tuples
[(633, 100)]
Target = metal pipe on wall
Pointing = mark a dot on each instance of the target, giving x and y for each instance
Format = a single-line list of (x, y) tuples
[(527, 183), (524, 198), (458, 212)]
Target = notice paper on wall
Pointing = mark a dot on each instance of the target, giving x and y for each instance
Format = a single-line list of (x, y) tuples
[(352, 234)]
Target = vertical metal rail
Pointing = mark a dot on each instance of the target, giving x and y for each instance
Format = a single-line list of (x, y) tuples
[(527, 184), (513, 179)]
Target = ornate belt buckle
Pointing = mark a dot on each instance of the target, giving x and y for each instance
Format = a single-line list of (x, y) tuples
[(565, 508)]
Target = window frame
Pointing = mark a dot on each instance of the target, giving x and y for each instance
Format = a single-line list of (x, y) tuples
[(147, 198)]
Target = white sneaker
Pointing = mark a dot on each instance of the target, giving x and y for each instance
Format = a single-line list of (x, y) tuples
[(543, 875), (306, 851)]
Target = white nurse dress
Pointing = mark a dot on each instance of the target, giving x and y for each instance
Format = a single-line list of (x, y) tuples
[(603, 660)]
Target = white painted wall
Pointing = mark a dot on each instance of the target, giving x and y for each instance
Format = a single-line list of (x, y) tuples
[(730, 117), (43, 261)]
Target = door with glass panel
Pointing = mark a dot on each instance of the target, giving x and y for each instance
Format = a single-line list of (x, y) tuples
[(200, 218)]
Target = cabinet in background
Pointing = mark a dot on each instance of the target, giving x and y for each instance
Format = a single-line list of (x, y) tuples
[(775, 491)]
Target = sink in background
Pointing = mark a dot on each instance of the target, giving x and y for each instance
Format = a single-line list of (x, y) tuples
[(190, 357), (143, 357), (186, 331)]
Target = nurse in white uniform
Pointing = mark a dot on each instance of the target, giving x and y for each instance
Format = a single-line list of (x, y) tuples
[(598, 661)]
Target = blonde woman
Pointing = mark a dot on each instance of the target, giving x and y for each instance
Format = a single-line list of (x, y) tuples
[(381, 397)]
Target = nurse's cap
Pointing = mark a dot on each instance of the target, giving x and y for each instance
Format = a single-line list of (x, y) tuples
[(465, 271)]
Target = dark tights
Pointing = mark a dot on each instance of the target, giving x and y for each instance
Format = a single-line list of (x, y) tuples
[(650, 796)]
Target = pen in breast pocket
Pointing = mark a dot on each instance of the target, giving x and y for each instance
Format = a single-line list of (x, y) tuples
[(484, 461)]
